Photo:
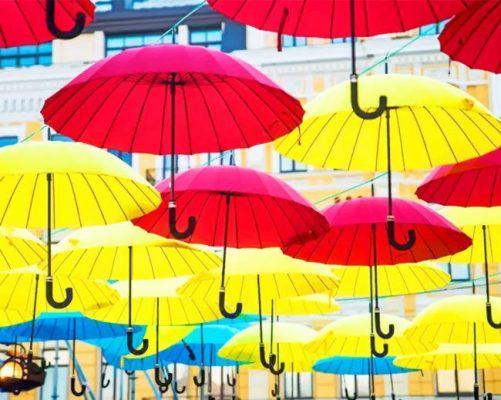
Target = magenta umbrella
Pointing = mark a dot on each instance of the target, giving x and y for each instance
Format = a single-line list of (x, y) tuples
[(358, 235), (172, 99), (236, 207)]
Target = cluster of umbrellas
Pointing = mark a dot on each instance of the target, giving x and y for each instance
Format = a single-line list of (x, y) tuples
[(280, 256)]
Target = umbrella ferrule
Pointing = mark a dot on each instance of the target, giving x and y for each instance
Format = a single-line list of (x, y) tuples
[(390, 218), (130, 329), (172, 204), (48, 278), (353, 78)]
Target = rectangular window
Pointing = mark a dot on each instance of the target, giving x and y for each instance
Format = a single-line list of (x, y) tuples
[(298, 385), (122, 155), (104, 5), (287, 165), (224, 158), (8, 140), (211, 37), (26, 56), (116, 43), (446, 382), (293, 41), (432, 29), (359, 384), (342, 40), (458, 272)]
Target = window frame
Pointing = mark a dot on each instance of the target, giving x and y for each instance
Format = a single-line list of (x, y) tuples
[(297, 167), (212, 44), (20, 53), (145, 38)]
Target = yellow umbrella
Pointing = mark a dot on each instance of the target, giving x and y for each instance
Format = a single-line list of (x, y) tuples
[(393, 280), (13, 317), (19, 248), (312, 304), (483, 225), (427, 123), (351, 337), (280, 277), (68, 185)]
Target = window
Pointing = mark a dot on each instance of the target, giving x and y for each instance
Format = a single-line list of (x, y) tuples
[(116, 43), (211, 37), (446, 382), (293, 41), (224, 158), (288, 165), (56, 137), (8, 140), (104, 5), (342, 40), (458, 272), (298, 385), (166, 162), (122, 155), (359, 384), (26, 56), (432, 29)]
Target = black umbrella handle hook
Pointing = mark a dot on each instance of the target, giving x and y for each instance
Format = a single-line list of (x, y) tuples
[(130, 343), (77, 392), (172, 223), (230, 381), (177, 390), (158, 378), (274, 391), (199, 381), (347, 395), (52, 27), (104, 382), (391, 236), (379, 330), (262, 356), (49, 294), (278, 371), (383, 102), (222, 302), (490, 317), (375, 352)]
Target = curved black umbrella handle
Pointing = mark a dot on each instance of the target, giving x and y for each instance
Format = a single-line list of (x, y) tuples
[(177, 390), (379, 330), (130, 343), (163, 389), (490, 318), (172, 223), (476, 392), (347, 395), (77, 392), (391, 236), (262, 357), (129, 373), (104, 382), (278, 371), (51, 22), (383, 102), (222, 309), (16, 392), (200, 381), (158, 378), (49, 294), (377, 353), (231, 382)]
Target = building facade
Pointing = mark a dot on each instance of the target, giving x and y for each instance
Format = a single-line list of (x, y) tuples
[(305, 67)]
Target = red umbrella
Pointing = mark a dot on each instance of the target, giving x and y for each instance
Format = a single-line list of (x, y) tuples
[(236, 207), (472, 37), (358, 235), (24, 22), (172, 99), (471, 183)]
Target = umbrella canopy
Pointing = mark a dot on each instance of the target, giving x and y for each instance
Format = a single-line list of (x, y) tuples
[(349, 337), (103, 252), (453, 319), (65, 326), (453, 356), (174, 309), (471, 183), (359, 366), (292, 367), (19, 248), (281, 278), (351, 227), (260, 210), (24, 22), (473, 35), (290, 338), (10, 317), (432, 123), (89, 186), (329, 19), (393, 280), (125, 102)]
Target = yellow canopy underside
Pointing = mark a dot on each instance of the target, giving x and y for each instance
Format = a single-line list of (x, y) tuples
[(19, 292), (434, 124), (452, 356), (452, 319), (349, 337), (296, 366), (393, 280), (90, 186), (14, 317), (103, 253), (19, 248), (291, 339)]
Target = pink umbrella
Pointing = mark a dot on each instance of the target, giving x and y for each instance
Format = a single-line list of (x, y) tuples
[(172, 99), (358, 235), (236, 207)]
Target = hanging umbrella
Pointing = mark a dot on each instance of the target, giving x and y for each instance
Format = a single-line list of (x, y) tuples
[(472, 37), (484, 227), (112, 252), (10, 317), (393, 280), (181, 99), (361, 224), (19, 248), (427, 123), (237, 207), (457, 320), (24, 22), (471, 183), (68, 185)]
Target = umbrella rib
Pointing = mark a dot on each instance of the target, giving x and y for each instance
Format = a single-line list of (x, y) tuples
[(495, 145), (95, 198), (300, 16), (400, 137), (10, 199), (93, 265), (140, 115), (186, 111), (400, 19), (74, 199), (336, 138), (28, 214), (26, 20), (217, 214), (235, 218), (416, 120), (454, 120), (272, 220), (132, 197), (255, 220), (119, 206), (188, 266)]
